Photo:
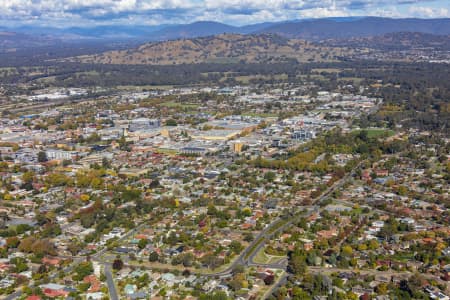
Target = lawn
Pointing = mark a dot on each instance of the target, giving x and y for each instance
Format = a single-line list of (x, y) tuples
[(262, 258), (250, 251), (173, 104), (374, 133), (403, 256), (377, 132)]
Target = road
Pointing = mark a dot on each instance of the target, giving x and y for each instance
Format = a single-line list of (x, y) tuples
[(130, 233), (388, 273), (279, 283), (14, 295), (113, 295)]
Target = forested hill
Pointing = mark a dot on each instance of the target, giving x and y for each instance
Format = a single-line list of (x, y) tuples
[(225, 48), (395, 41)]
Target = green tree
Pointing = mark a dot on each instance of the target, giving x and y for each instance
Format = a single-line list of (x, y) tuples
[(82, 270), (236, 247), (153, 257), (142, 243), (42, 156), (117, 264)]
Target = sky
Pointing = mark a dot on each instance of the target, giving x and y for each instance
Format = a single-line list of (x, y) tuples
[(66, 13)]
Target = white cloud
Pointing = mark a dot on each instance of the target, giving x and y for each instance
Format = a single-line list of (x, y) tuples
[(185, 11), (324, 13), (429, 12)]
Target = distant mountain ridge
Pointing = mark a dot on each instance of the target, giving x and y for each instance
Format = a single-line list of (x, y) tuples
[(11, 40), (309, 29), (371, 26), (55, 42), (205, 28)]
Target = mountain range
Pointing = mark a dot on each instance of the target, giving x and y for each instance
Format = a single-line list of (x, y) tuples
[(309, 29)]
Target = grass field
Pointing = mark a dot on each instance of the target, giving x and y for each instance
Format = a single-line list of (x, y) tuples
[(377, 132), (403, 256), (262, 258), (252, 249), (173, 104)]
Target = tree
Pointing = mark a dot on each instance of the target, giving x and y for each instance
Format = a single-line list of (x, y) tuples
[(171, 122), (153, 257), (268, 280), (297, 264), (28, 178), (43, 247), (20, 264), (117, 264), (405, 286), (26, 245), (58, 179), (12, 242), (106, 163), (82, 270), (373, 244), (236, 247), (299, 294), (42, 156), (269, 176), (142, 243), (154, 184), (22, 228), (219, 295), (382, 289), (347, 251), (236, 283), (74, 247), (248, 237), (187, 259), (87, 220), (211, 261)]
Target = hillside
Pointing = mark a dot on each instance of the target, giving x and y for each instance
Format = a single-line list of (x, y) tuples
[(9, 41), (397, 41), (225, 48)]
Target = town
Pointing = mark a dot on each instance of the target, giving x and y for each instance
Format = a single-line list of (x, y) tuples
[(274, 191)]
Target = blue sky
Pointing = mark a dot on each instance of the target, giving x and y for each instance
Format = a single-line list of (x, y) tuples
[(64, 13)]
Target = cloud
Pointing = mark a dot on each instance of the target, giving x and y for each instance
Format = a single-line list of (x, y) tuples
[(66, 12), (429, 12)]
